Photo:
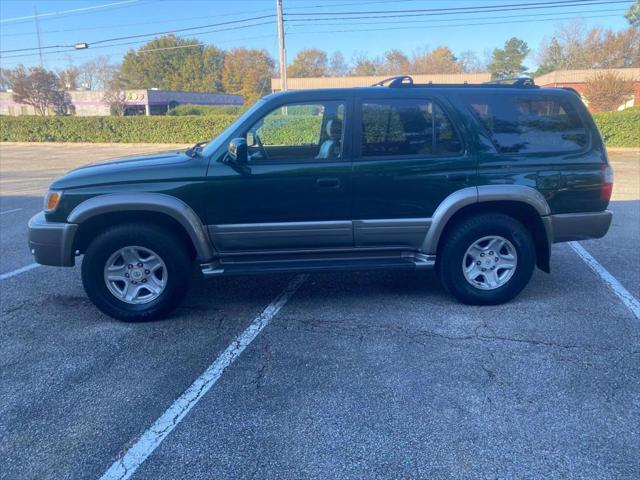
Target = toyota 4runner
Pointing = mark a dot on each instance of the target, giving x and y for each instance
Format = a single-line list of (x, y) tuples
[(476, 181)]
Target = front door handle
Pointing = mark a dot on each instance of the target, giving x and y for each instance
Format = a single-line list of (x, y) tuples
[(328, 182)]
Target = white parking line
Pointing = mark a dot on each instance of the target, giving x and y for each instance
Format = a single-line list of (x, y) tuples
[(126, 466), (622, 293), (18, 271), (11, 211)]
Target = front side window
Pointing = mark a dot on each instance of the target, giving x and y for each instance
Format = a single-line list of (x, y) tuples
[(301, 132), (529, 124), (405, 128)]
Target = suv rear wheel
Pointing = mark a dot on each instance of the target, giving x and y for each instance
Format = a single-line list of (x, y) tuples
[(136, 272), (487, 259)]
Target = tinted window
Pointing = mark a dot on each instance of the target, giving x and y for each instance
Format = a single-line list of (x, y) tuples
[(529, 124), (406, 127), (298, 133)]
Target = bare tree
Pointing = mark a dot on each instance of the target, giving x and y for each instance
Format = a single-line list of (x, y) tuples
[(97, 73), (68, 78), (114, 95), (337, 65), (471, 62), (606, 91), (39, 88)]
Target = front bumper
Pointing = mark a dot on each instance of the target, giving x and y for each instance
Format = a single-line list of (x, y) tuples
[(52, 243), (580, 226)]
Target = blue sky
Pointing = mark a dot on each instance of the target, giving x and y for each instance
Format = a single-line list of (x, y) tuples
[(98, 20)]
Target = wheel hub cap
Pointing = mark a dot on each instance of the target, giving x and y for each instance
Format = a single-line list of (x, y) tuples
[(489, 262), (135, 275)]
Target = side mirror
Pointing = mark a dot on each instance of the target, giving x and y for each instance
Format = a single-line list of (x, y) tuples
[(238, 151)]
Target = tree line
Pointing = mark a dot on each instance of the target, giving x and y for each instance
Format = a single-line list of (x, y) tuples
[(173, 63)]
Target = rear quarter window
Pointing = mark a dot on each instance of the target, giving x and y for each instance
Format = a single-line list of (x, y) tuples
[(520, 123)]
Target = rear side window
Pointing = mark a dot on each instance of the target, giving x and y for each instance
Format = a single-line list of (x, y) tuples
[(406, 128), (529, 124)]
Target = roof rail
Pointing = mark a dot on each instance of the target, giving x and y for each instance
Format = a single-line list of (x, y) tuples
[(399, 81), (393, 82), (513, 82)]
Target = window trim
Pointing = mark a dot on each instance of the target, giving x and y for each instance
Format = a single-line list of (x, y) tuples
[(343, 100), (358, 131), (534, 95)]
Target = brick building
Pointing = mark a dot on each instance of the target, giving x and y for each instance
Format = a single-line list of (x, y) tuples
[(577, 79), (137, 102)]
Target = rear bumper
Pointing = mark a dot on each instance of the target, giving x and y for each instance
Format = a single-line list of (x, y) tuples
[(52, 243), (580, 226)]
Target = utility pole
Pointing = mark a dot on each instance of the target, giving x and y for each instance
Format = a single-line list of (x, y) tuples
[(35, 16), (282, 50)]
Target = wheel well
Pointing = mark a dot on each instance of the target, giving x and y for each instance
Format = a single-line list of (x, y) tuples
[(94, 226), (523, 212)]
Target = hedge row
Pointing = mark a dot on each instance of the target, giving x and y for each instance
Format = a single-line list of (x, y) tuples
[(182, 110), (112, 129), (620, 129)]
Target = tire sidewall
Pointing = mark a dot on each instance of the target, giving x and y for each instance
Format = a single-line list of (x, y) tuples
[(468, 233), (161, 242)]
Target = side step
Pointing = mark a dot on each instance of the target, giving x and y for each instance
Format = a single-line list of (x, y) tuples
[(266, 264)]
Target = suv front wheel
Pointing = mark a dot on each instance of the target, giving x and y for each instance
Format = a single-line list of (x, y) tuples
[(487, 259), (136, 272)]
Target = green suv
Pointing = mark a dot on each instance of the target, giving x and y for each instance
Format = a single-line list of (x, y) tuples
[(476, 181)]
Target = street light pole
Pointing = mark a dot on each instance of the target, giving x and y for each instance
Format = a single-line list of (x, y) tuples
[(282, 51)]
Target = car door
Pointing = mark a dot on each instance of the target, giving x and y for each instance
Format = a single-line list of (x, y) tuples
[(410, 156), (295, 192)]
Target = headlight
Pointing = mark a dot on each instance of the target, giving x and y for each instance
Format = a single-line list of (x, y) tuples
[(51, 200)]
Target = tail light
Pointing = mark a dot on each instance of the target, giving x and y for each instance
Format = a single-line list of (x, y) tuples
[(606, 182)]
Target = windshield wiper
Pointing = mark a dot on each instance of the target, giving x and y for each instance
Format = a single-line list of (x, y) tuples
[(195, 150)]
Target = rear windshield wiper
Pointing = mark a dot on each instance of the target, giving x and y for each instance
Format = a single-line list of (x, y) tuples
[(195, 150)]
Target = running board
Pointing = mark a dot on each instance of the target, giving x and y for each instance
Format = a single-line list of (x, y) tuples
[(352, 261)]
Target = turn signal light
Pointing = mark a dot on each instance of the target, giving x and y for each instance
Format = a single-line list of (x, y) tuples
[(51, 201)]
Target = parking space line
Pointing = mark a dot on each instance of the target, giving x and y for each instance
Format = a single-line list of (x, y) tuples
[(126, 466), (18, 271), (11, 211), (622, 293)]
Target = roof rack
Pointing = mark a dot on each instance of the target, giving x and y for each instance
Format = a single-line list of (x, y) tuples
[(394, 82), (400, 81), (513, 82)]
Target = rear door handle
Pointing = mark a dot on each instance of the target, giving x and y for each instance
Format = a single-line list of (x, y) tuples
[(328, 182)]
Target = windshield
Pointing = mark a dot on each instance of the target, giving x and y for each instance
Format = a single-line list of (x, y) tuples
[(217, 141)]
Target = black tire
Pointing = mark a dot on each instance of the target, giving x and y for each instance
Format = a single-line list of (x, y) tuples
[(165, 244), (464, 234)]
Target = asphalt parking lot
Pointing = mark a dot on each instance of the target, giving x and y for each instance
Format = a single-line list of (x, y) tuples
[(358, 375)]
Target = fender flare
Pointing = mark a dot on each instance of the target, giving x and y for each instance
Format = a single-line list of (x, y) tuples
[(148, 202), (484, 193)]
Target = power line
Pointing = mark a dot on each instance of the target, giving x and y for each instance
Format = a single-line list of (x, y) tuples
[(233, 22), (142, 41), (364, 17), (258, 37), (73, 11), (516, 6), (440, 26), (136, 24), (552, 16)]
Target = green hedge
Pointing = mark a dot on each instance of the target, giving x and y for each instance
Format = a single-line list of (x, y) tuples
[(112, 129), (620, 129), (182, 110)]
